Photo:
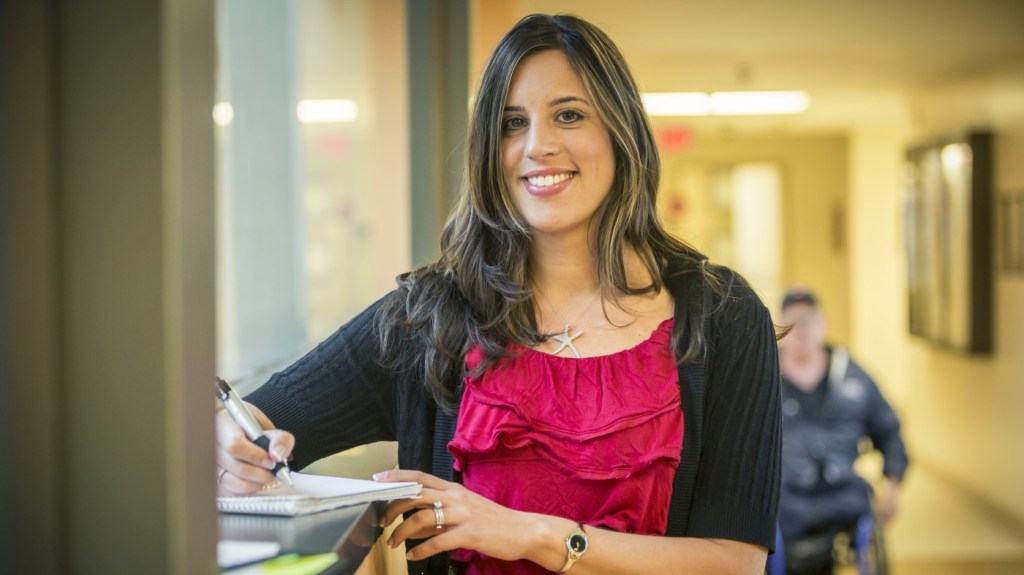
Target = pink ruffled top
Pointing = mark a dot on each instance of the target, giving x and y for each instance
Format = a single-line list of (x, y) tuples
[(596, 439)]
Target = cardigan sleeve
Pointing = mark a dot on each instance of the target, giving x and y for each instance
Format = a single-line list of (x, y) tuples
[(335, 397), (736, 491)]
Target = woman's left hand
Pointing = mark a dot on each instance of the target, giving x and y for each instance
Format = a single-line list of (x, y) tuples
[(474, 522), (470, 521)]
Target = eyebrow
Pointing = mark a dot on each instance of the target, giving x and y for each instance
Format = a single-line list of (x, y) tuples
[(552, 103)]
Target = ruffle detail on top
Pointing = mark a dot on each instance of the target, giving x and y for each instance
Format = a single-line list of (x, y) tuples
[(596, 439), (596, 418)]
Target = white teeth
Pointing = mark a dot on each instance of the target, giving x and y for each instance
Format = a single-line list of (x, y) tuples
[(549, 180)]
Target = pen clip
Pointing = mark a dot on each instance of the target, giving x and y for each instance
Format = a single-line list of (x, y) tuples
[(223, 389)]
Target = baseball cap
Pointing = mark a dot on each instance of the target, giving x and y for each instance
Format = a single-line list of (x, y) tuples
[(799, 295)]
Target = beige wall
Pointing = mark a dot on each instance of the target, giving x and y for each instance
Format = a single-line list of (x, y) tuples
[(962, 414), (967, 411), (489, 20), (814, 196), (877, 274)]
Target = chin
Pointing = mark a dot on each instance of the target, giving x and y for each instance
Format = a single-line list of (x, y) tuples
[(551, 228)]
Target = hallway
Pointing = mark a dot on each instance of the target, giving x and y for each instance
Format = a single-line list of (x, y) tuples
[(942, 531)]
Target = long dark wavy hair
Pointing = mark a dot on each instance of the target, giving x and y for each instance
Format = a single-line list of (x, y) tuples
[(478, 291)]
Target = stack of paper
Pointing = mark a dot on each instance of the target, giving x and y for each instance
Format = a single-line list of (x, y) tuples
[(313, 493)]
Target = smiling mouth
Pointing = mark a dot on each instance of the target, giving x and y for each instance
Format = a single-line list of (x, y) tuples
[(549, 180)]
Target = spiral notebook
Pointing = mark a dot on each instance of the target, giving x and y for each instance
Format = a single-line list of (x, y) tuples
[(314, 493)]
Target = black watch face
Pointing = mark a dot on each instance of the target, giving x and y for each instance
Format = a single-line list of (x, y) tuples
[(578, 543)]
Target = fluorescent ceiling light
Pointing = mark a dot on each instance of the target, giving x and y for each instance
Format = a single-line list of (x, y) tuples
[(326, 111), (223, 113), (754, 103), (677, 104), (725, 103)]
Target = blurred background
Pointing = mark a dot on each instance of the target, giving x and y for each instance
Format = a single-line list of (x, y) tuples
[(191, 187)]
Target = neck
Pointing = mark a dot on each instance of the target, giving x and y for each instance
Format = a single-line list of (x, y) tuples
[(565, 270)]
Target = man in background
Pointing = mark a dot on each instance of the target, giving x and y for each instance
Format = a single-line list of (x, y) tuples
[(829, 404)]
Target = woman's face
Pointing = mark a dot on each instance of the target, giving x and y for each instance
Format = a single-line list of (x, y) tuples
[(557, 153)]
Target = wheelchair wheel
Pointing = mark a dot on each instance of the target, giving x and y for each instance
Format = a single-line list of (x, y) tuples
[(839, 550), (869, 547)]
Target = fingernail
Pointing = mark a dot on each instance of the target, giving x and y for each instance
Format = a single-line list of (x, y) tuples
[(409, 556), (380, 475), (391, 542), (269, 463), (279, 453)]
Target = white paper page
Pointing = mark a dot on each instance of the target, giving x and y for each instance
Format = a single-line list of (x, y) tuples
[(324, 487), (231, 553)]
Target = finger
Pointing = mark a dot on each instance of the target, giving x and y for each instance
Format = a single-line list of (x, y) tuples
[(281, 444), (255, 474), (425, 499), (231, 485), (398, 507), (446, 541), (232, 439), (395, 509), (419, 525)]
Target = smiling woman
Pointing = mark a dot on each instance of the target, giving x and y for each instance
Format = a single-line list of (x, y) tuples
[(557, 153), (573, 387)]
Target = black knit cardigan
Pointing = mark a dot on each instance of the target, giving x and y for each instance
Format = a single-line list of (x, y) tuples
[(727, 485)]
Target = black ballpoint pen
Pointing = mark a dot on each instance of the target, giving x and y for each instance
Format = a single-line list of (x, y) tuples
[(252, 428)]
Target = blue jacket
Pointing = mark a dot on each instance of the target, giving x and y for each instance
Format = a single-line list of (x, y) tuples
[(819, 447)]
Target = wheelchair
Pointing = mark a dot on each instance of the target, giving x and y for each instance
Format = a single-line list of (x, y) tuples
[(861, 544)]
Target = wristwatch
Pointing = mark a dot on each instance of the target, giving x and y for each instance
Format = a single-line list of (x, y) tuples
[(576, 546)]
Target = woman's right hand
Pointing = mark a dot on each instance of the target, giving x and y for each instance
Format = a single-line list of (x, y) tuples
[(242, 466)]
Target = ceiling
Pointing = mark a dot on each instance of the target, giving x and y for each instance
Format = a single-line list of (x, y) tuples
[(846, 54)]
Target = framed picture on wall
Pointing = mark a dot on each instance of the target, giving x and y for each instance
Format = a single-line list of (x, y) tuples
[(1011, 232), (948, 237)]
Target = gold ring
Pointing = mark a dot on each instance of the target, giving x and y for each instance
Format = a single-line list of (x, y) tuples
[(220, 475), (438, 515)]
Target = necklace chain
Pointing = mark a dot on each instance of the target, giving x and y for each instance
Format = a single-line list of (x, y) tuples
[(564, 338)]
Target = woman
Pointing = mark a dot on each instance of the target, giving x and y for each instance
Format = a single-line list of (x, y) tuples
[(568, 382)]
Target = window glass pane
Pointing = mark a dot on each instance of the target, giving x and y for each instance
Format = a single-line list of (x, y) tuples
[(313, 172)]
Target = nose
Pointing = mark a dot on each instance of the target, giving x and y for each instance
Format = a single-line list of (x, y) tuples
[(541, 140)]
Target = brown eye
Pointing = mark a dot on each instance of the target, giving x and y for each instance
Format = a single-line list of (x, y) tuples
[(513, 123), (569, 116)]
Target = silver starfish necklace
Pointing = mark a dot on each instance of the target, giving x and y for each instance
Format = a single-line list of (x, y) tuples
[(564, 338)]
